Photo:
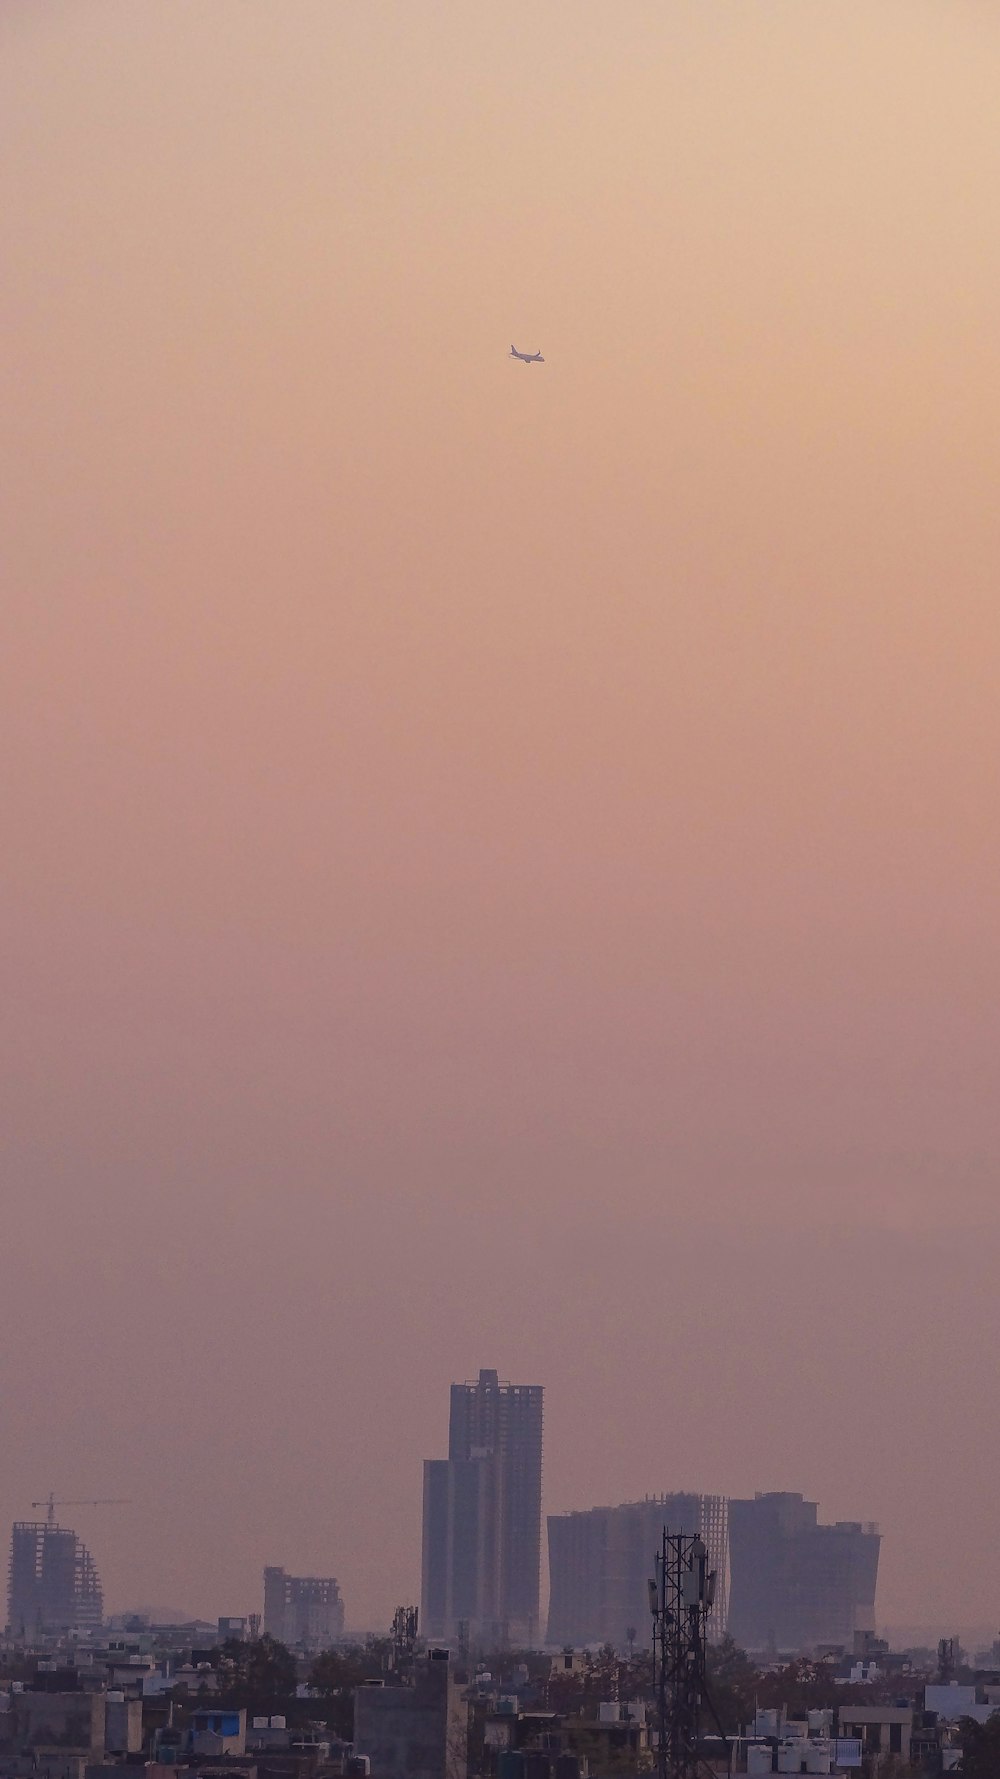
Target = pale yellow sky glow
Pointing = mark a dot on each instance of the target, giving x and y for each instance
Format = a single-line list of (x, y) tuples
[(500, 864)]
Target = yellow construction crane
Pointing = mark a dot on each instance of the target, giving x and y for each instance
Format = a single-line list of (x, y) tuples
[(102, 1501)]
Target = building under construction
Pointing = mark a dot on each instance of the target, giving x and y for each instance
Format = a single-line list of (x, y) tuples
[(600, 1564), (52, 1582)]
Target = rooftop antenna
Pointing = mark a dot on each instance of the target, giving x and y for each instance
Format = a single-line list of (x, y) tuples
[(404, 1635)]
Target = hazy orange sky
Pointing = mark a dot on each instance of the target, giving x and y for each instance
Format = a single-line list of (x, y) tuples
[(500, 864)]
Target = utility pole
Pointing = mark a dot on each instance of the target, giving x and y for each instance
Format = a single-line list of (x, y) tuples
[(680, 1599)]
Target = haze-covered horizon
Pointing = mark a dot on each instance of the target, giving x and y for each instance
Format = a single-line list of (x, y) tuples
[(500, 862)]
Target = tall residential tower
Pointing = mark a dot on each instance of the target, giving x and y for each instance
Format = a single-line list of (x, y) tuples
[(483, 1516), (795, 1583)]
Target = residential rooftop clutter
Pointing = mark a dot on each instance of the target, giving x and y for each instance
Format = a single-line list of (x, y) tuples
[(397, 1709)]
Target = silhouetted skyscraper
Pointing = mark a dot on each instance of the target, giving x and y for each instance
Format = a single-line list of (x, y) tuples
[(795, 1583), (483, 1515)]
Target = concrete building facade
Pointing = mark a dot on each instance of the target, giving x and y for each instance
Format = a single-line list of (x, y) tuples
[(600, 1562), (420, 1731), (795, 1583), (43, 1723), (482, 1515)]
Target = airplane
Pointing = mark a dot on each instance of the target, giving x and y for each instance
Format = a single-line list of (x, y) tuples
[(527, 357)]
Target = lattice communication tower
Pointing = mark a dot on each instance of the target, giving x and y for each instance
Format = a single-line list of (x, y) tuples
[(680, 1599)]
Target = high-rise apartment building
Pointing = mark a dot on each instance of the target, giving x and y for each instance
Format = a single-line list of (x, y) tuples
[(601, 1560), (483, 1515), (52, 1583), (795, 1583), (303, 1610)]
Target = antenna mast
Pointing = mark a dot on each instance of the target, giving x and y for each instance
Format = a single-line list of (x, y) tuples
[(680, 1599)]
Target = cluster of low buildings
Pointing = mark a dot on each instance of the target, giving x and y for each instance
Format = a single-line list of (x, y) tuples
[(117, 1710)]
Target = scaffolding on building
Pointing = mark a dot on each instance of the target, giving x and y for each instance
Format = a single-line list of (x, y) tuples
[(52, 1581)]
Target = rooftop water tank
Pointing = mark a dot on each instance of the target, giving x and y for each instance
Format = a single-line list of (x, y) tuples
[(537, 1765), (510, 1764)]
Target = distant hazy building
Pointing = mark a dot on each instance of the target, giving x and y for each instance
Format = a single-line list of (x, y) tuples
[(52, 1582), (418, 1731), (600, 1562), (795, 1583), (482, 1516), (302, 1609)]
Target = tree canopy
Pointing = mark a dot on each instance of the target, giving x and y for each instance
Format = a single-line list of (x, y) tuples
[(980, 1748), (260, 1675)]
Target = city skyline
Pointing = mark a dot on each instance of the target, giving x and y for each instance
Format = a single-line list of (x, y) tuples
[(798, 1583), (499, 863)]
